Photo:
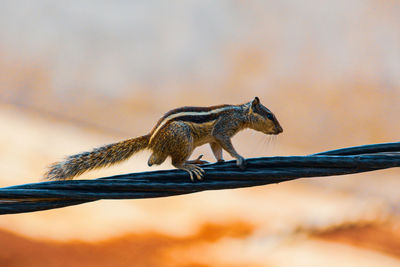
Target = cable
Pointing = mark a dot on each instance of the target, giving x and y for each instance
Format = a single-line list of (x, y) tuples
[(226, 175)]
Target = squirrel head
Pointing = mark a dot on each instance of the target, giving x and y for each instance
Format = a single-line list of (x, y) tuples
[(261, 118)]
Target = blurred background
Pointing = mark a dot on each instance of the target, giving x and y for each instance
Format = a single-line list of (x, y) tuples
[(79, 74)]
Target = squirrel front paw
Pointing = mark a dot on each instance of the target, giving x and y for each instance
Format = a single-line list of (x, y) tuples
[(197, 161), (241, 163)]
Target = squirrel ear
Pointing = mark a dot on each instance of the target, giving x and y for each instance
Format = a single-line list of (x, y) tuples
[(255, 101)]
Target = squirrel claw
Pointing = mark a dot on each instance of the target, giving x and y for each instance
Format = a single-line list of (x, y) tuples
[(196, 171), (193, 170)]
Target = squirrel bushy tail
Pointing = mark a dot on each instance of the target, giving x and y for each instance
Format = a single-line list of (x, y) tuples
[(99, 157)]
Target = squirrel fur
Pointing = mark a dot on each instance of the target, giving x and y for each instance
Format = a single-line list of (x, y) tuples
[(176, 135)]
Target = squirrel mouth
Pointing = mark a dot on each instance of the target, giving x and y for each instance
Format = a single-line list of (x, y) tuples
[(278, 130)]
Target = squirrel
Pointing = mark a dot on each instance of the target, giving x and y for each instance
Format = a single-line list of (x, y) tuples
[(177, 134)]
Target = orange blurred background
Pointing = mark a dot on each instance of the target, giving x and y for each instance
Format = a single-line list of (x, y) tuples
[(79, 74)]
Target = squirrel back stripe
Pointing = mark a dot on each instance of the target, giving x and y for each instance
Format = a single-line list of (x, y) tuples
[(190, 114), (99, 157)]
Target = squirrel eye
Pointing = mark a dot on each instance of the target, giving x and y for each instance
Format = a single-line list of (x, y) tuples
[(270, 116)]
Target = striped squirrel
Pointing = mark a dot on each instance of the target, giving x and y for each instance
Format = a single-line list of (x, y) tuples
[(176, 135)]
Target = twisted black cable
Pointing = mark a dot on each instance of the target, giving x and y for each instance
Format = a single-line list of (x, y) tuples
[(226, 175)]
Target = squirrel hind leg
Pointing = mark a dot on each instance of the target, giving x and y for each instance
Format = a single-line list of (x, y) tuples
[(192, 169), (179, 161)]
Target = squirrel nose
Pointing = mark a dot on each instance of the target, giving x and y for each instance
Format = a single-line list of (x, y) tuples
[(278, 129)]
